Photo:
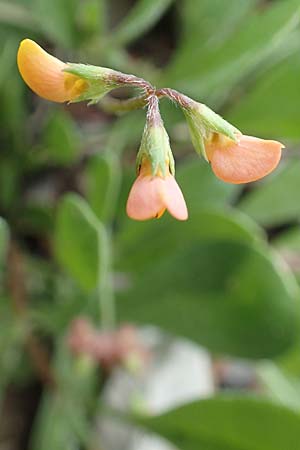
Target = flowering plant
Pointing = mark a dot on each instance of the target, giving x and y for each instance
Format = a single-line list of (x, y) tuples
[(112, 327), (234, 157)]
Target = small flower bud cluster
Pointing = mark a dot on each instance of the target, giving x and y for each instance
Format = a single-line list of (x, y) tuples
[(234, 157), (108, 348)]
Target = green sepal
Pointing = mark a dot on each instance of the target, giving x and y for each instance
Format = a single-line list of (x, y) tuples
[(89, 72), (198, 134), (216, 123), (100, 81), (155, 148), (203, 122)]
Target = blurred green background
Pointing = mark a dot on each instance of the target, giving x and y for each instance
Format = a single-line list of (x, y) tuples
[(226, 280)]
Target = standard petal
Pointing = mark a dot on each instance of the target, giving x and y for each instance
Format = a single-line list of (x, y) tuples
[(173, 199), (248, 160), (145, 200), (43, 73)]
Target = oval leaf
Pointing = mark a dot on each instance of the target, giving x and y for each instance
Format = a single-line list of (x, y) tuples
[(228, 296), (229, 423), (79, 240)]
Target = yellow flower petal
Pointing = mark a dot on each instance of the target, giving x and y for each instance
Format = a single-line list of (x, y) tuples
[(43, 73)]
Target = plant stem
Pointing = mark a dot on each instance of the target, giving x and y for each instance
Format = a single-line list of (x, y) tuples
[(112, 105), (105, 285), (115, 106)]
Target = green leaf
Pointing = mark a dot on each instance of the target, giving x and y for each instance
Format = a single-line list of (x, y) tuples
[(209, 23), (9, 182), (56, 20), (103, 177), (261, 112), (91, 17), (290, 362), (140, 242), (61, 138), (13, 112), (276, 200), (228, 296), (229, 423), (213, 20), (79, 240), (143, 15), (127, 131), (17, 15), (8, 51), (4, 240), (62, 419), (281, 388), (262, 36), (201, 188)]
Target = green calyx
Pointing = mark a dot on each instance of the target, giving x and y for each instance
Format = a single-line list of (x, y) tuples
[(155, 148), (203, 123), (100, 80)]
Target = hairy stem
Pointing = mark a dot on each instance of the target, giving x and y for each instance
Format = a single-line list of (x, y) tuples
[(115, 106)]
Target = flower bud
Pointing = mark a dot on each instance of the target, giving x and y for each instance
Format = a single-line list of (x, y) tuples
[(155, 188), (57, 81), (151, 195), (234, 157)]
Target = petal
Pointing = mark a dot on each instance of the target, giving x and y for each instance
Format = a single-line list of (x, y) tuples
[(145, 200), (248, 160), (174, 200), (43, 73)]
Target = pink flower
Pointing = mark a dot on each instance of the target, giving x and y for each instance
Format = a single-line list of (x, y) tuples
[(247, 160), (110, 347), (151, 195)]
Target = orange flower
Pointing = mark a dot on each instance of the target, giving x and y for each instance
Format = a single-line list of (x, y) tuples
[(151, 195), (247, 160), (45, 75)]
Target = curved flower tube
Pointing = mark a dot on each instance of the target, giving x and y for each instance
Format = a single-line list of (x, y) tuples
[(151, 195), (246, 160), (45, 75)]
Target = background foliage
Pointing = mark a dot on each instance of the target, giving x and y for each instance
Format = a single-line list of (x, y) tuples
[(228, 279)]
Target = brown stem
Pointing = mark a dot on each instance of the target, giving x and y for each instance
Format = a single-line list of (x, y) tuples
[(132, 80), (115, 106), (17, 288), (120, 79), (175, 96), (153, 114)]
